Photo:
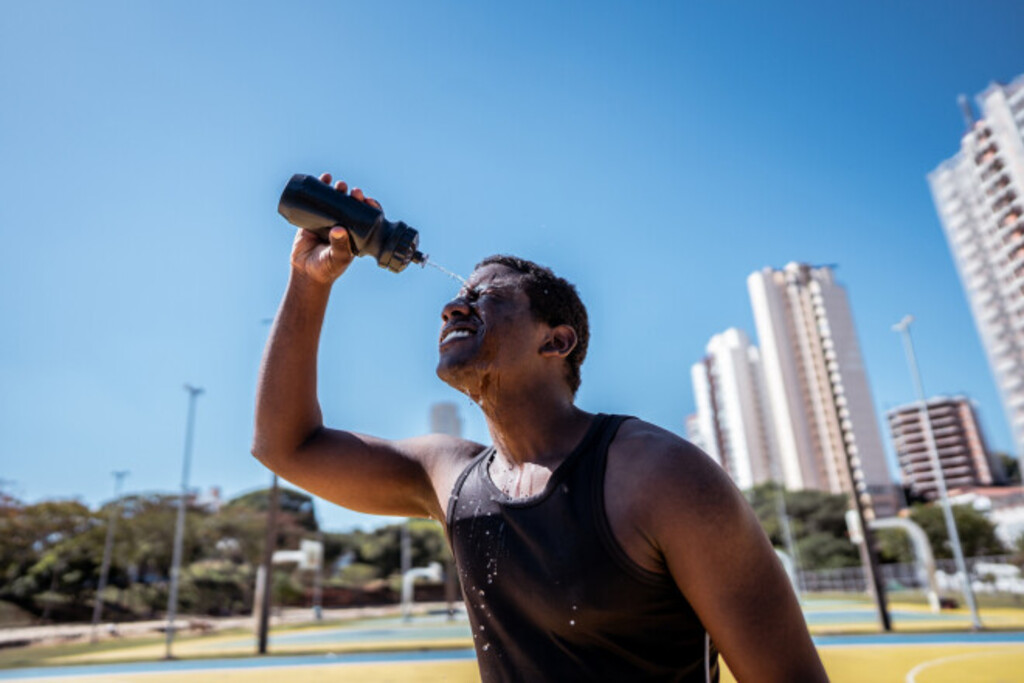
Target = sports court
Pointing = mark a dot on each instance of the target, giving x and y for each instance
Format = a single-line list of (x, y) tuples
[(925, 648)]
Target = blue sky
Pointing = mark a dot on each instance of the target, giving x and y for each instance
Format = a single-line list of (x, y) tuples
[(653, 153)]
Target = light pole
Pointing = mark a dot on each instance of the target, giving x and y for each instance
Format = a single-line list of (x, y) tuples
[(264, 590), (903, 327), (179, 529), (108, 548)]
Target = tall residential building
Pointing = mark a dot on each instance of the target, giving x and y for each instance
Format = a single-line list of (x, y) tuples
[(963, 457), (978, 196), (731, 423), (694, 433), (444, 419), (822, 411)]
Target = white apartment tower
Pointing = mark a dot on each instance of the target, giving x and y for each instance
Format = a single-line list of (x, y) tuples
[(731, 423), (815, 380), (979, 195)]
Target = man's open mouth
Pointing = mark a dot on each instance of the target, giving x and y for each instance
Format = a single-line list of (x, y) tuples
[(456, 334)]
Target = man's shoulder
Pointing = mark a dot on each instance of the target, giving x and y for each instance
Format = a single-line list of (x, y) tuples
[(653, 449), (443, 446), (661, 469)]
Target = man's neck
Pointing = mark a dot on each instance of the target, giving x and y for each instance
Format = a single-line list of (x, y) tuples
[(533, 425)]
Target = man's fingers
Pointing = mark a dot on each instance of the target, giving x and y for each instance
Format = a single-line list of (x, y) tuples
[(339, 239), (327, 179), (342, 186), (307, 239)]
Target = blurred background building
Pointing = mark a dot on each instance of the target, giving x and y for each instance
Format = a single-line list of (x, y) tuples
[(732, 423), (978, 196), (963, 455), (444, 419), (822, 411)]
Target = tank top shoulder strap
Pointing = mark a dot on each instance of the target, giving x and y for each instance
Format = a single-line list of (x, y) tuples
[(598, 466), (608, 431), (454, 495)]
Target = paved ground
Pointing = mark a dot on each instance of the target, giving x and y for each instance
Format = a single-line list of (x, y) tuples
[(431, 648), (927, 658)]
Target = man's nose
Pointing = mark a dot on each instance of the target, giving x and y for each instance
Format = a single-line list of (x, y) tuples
[(456, 307)]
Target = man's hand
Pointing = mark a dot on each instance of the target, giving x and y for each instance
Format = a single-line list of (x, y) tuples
[(324, 263)]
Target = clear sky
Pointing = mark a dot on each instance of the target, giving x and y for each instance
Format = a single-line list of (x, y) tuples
[(654, 153)]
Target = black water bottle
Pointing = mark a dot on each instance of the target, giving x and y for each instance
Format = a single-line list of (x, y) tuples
[(316, 206)]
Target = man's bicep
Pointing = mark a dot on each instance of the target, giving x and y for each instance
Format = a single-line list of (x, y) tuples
[(369, 474), (726, 568)]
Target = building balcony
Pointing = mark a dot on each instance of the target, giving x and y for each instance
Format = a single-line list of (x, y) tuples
[(997, 184), (986, 155), (990, 169), (944, 429), (1004, 201), (1011, 216)]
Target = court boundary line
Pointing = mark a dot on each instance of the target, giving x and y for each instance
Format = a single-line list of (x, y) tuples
[(913, 673)]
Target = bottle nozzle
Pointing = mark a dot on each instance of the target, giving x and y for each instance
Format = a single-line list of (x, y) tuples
[(420, 258)]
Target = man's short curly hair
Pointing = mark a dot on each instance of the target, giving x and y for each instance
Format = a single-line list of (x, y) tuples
[(555, 301)]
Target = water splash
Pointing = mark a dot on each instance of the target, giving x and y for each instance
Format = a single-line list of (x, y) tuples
[(458, 278)]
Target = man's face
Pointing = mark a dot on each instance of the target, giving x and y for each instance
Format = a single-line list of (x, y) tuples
[(488, 331)]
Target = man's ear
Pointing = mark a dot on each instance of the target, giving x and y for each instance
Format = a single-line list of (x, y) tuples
[(560, 341)]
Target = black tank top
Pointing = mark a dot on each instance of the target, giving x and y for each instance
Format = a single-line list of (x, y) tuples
[(551, 594)]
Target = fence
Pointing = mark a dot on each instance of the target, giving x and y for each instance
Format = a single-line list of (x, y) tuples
[(989, 575)]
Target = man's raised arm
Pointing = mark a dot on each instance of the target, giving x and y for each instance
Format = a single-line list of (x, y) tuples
[(359, 472)]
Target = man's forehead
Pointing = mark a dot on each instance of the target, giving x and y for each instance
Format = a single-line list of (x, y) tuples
[(493, 274)]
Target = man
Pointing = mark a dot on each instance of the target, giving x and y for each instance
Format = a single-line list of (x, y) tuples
[(589, 547)]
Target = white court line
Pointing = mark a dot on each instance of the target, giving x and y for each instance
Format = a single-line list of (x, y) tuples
[(912, 674)]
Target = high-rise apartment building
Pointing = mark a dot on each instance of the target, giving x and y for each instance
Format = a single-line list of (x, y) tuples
[(821, 407), (444, 419), (963, 457), (694, 433), (979, 195), (731, 423)]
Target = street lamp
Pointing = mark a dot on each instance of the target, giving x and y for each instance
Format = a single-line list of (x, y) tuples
[(108, 549), (903, 328), (179, 529)]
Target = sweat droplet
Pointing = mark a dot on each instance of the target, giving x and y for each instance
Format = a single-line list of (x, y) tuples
[(481, 627), (486, 646), (482, 592), (572, 622)]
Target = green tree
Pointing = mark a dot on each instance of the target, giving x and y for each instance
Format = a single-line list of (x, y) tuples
[(377, 554), (894, 545), (1011, 467), (977, 533), (146, 531), (817, 520), (47, 547), (291, 503)]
